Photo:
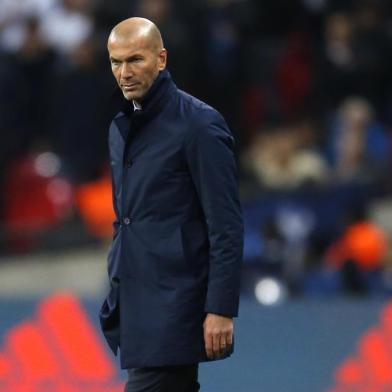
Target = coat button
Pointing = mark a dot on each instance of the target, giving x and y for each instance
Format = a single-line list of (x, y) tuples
[(128, 163), (126, 220)]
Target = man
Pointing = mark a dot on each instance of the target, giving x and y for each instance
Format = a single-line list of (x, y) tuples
[(174, 264)]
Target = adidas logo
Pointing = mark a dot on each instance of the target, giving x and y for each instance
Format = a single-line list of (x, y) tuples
[(59, 350), (370, 368)]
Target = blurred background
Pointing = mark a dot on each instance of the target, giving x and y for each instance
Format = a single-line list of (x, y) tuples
[(306, 88)]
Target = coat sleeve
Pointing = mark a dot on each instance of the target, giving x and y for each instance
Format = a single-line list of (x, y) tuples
[(209, 150)]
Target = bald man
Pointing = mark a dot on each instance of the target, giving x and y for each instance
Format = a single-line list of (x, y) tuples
[(174, 263)]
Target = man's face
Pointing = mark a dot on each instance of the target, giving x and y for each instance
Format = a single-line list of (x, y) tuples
[(135, 65)]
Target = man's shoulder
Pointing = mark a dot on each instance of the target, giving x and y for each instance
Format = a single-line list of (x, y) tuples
[(203, 121), (196, 110)]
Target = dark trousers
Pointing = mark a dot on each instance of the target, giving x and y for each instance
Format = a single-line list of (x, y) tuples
[(163, 379)]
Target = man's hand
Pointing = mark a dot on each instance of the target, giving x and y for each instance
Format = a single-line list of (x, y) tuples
[(218, 335)]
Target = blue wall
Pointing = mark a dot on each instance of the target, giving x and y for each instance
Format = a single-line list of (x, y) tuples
[(294, 347)]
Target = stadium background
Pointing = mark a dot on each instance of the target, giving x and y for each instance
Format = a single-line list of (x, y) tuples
[(307, 90)]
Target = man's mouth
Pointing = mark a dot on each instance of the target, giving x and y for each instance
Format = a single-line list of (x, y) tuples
[(129, 86)]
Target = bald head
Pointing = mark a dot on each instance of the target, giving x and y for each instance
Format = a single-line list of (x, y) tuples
[(137, 56), (137, 29)]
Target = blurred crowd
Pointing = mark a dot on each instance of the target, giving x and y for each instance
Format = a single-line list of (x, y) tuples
[(304, 84)]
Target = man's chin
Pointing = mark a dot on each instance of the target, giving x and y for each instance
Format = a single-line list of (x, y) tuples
[(130, 96)]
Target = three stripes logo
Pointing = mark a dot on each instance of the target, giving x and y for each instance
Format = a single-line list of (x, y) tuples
[(59, 350), (369, 369)]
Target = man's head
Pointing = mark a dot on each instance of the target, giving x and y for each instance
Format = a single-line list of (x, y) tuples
[(136, 55)]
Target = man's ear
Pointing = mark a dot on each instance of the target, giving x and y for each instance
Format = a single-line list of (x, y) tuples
[(162, 58)]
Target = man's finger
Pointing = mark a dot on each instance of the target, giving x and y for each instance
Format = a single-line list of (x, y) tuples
[(208, 345), (223, 345), (223, 342), (216, 344), (226, 342), (229, 338)]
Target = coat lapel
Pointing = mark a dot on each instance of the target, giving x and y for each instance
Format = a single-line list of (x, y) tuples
[(123, 125)]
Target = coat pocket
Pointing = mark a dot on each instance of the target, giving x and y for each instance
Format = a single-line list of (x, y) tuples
[(158, 248)]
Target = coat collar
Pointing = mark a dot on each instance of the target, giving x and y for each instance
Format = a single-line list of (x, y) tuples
[(156, 96), (152, 104)]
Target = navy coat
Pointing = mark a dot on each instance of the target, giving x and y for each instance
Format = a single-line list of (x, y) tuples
[(177, 248)]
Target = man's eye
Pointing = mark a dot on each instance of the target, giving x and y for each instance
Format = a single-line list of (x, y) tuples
[(115, 62)]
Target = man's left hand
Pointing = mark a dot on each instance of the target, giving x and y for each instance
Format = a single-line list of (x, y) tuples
[(218, 335)]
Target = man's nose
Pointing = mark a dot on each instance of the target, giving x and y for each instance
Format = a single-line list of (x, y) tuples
[(126, 70)]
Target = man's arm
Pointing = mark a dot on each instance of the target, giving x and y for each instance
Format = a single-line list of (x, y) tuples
[(210, 156)]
